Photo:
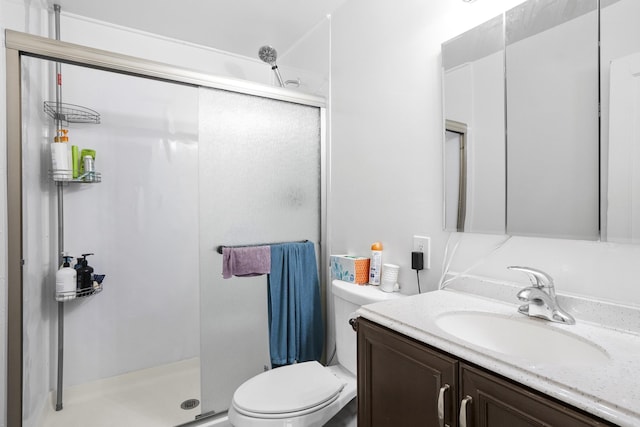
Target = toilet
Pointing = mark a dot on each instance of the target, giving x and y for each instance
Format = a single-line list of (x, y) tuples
[(308, 393)]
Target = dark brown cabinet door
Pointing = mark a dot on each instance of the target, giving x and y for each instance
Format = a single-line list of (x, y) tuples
[(499, 403), (399, 380)]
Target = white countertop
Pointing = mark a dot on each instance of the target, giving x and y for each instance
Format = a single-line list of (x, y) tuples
[(609, 390)]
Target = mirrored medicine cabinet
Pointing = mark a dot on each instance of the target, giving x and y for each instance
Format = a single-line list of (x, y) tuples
[(530, 103)]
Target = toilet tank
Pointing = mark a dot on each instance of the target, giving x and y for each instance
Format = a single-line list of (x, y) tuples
[(347, 298)]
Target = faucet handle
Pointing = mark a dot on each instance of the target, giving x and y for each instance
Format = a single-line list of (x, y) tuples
[(538, 278)]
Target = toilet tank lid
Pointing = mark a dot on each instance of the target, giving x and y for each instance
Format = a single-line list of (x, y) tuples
[(290, 388), (361, 294)]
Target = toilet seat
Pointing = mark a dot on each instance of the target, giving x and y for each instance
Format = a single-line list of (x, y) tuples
[(288, 391)]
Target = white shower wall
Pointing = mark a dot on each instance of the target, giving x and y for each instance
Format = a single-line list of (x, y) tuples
[(141, 222)]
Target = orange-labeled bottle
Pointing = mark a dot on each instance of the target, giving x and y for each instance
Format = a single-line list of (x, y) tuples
[(375, 265), (61, 156)]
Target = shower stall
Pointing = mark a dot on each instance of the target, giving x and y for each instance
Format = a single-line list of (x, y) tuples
[(187, 162)]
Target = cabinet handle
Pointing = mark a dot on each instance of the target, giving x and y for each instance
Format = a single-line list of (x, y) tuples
[(463, 410), (443, 389), (354, 323)]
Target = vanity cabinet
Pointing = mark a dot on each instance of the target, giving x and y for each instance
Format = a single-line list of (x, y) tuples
[(497, 402), (399, 380), (402, 382)]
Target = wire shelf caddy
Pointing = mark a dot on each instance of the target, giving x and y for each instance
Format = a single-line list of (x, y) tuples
[(71, 113)]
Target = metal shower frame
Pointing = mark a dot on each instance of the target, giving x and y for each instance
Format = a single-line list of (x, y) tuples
[(20, 44)]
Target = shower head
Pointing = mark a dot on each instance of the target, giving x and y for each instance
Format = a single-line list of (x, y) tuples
[(268, 55)]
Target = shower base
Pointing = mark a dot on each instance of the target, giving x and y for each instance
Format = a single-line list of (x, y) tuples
[(146, 398)]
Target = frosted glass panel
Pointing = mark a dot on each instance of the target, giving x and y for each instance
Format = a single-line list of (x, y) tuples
[(259, 182)]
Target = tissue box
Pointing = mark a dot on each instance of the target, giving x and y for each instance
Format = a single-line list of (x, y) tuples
[(349, 268)]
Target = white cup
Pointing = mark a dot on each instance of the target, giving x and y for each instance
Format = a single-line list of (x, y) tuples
[(389, 277)]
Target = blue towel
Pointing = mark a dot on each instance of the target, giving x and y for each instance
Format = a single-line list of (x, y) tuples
[(296, 332)]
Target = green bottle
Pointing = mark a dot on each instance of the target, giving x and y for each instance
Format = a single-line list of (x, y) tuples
[(75, 161)]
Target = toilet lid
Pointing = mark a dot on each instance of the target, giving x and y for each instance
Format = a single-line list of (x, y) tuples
[(287, 389)]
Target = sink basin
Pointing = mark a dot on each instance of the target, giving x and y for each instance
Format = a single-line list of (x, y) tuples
[(523, 337)]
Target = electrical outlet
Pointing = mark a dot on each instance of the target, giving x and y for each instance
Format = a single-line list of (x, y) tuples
[(423, 244)]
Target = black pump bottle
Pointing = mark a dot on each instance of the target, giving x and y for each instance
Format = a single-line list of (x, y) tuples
[(85, 275)]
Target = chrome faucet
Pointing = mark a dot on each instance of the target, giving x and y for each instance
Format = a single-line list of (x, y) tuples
[(540, 298)]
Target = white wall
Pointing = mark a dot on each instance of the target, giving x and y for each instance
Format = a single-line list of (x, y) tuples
[(593, 270), (387, 152), (309, 60), (100, 35), (386, 139)]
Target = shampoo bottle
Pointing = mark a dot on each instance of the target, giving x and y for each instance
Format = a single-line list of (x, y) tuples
[(66, 281), (61, 156), (376, 264)]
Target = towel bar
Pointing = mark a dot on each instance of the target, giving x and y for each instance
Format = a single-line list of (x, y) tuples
[(219, 248)]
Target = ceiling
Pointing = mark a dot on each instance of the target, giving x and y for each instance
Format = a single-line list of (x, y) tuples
[(238, 26)]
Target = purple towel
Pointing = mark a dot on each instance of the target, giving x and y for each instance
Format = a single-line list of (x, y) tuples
[(245, 262)]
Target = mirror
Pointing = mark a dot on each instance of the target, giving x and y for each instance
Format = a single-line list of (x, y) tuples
[(620, 132), (543, 179), (475, 167), (552, 119), (455, 158)]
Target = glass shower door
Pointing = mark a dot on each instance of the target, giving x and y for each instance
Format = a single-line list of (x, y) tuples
[(141, 223), (259, 175)]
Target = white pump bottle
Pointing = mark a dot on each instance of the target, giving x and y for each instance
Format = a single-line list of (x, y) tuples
[(66, 281)]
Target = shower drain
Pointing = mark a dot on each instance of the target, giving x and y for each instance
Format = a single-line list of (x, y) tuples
[(189, 404)]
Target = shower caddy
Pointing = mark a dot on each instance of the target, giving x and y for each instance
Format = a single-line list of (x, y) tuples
[(67, 113), (70, 113)]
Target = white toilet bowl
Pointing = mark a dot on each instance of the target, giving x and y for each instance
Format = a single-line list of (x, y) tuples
[(308, 394), (304, 394)]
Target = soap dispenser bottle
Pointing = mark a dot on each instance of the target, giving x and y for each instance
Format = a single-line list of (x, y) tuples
[(66, 279), (78, 263), (85, 276)]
